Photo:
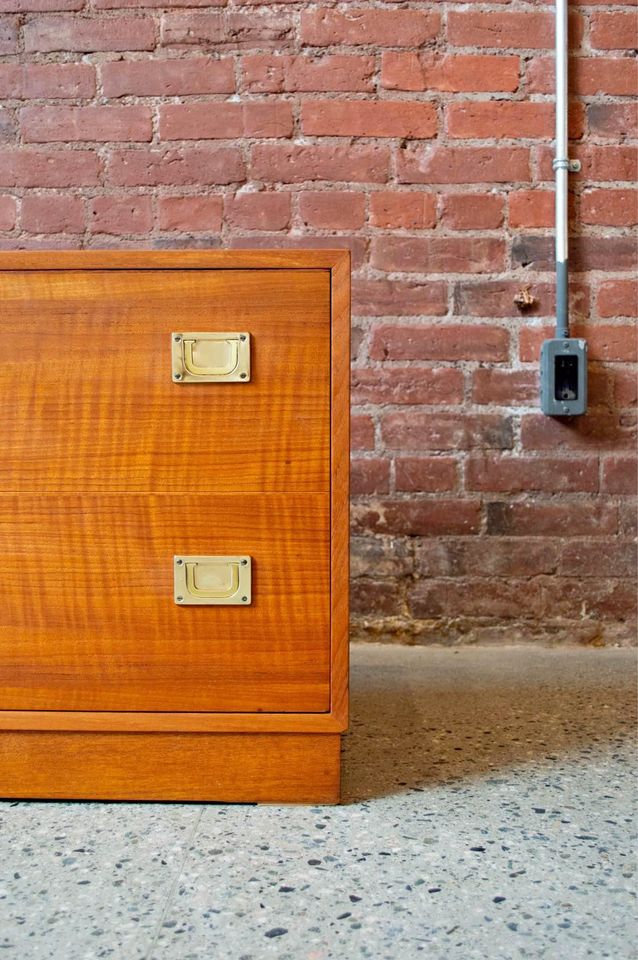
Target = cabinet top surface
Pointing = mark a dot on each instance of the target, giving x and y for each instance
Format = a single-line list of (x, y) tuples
[(173, 259)]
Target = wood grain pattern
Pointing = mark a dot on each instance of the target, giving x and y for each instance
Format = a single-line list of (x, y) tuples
[(281, 768), (87, 400), (172, 259), (340, 487), (88, 620)]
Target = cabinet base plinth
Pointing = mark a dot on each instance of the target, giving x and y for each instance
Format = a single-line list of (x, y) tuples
[(227, 767)]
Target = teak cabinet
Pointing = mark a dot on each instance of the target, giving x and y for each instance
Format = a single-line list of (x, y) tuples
[(174, 524)]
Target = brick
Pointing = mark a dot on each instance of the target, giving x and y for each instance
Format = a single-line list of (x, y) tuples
[(543, 518), (120, 215), (508, 388), (463, 73), (612, 31), (233, 29), (380, 298), (503, 118), (48, 124), (500, 29), (7, 213), (52, 214), (176, 167), (477, 557), (9, 34), (582, 558), (531, 208), (440, 342), (596, 431), (79, 35), (208, 121), (368, 118), (441, 164), (589, 76), (41, 168), (114, 4), (446, 431), (604, 341), (495, 298), (167, 78), (270, 73), (628, 520), (332, 210), (289, 163), (474, 598), (479, 211), (625, 388), (438, 254), (260, 210), (418, 518), (425, 474), (430, 385), (39, 6), (190, 213), (379, 558), (523, 474), (375, 598), (409, 209), (50, 81), (614, 208), (620, 475), (617, 298), (369, 476), (585, 253), (398, 28), (613, 120), (361, 432), (605, 599)]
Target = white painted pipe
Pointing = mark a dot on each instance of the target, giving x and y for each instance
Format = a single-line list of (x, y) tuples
[(561, 168)]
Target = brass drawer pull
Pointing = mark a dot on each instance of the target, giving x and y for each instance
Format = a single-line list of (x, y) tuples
[(211, 357), (212, 580)]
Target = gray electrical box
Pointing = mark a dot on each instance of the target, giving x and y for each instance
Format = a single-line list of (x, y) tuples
[(564, 377)]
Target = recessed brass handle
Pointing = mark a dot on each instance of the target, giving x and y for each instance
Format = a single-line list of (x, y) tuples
[(212, 580), (224, 573), (211, 357), (221, 371)]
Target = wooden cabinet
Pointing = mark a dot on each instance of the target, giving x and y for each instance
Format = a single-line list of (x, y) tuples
[(173, 524)]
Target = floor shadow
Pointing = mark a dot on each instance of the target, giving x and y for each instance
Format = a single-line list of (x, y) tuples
[(425, 717)]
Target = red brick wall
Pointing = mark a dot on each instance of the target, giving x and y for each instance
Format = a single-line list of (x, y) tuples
[(419, 135)]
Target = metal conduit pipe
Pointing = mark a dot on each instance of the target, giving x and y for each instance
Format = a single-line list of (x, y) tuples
[(562, 167), (564, 358)]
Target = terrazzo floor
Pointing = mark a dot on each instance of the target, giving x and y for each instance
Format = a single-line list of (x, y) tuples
[(489, 799)]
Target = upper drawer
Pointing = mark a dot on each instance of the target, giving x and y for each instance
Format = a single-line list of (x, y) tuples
[(88, 402)]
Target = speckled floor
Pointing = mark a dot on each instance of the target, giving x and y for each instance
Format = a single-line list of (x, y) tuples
[(489, 799)]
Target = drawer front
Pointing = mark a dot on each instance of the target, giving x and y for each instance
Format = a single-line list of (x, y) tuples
[(88, 619), (89, 403)]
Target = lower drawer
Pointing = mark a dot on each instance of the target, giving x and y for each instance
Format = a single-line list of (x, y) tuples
[(89, 621)]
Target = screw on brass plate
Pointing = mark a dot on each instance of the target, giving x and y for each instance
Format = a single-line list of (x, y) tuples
[(244, 599), (179, 562), (179, 599), (177, 339), (243, 376), (177, 376), (242, 336), (244, 562)]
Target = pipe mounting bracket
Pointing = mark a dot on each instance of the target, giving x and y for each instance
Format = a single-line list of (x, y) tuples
[(572, 166)]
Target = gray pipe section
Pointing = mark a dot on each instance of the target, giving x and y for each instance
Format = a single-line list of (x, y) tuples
[(561, 168)]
